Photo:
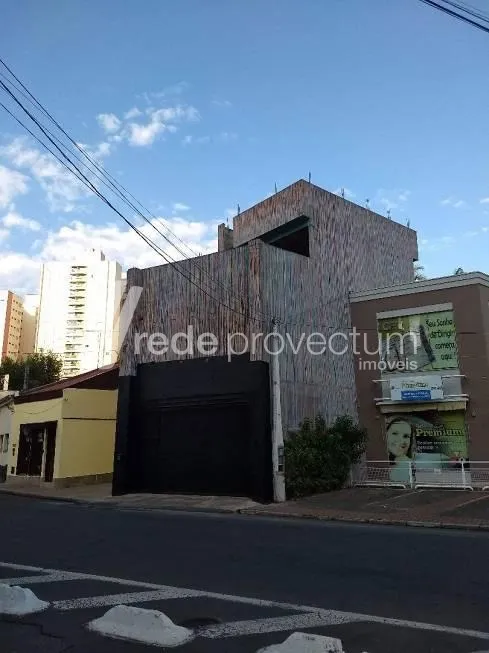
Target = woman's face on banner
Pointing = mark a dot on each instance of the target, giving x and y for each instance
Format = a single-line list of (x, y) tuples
[(399, 438)]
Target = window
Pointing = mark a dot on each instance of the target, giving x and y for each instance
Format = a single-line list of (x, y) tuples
[(5, 443)]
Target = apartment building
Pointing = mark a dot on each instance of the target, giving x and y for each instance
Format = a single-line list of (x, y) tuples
[(78, 304), (29, 325), (10, 323)]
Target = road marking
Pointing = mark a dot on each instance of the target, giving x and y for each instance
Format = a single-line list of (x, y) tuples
[(124, 599), (343, 617), (275, 624), (42, 578)]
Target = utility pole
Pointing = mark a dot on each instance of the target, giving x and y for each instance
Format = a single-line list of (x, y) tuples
[(277, 429), (26, 377)]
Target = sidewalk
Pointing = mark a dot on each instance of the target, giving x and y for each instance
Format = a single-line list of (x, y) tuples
[(102, 495), (429, 508)]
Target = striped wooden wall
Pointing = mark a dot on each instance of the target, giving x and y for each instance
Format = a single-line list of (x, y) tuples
[(351, 249)]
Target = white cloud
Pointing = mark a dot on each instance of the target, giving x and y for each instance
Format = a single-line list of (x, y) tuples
[(159, 121), (20, 272), (485, 200), (14, 219), (63, 190), (109, 122), (133, 113), (454, 203), (178, 206), (12, 183)]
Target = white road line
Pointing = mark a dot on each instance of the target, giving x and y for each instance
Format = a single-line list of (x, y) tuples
[(274, 624), (124, 599), (42, 578), (343, 617)]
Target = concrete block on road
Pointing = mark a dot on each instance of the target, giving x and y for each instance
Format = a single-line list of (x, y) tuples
[(19, 601), (141, 625), (306, 643)]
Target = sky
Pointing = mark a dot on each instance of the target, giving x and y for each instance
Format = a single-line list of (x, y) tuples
[(196, 107)]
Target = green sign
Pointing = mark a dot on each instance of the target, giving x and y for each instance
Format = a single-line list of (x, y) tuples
[(429, 439), (422, 342)]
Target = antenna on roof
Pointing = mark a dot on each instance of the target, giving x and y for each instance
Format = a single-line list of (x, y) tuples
[(389, 213), (309, 178), (343, 193)]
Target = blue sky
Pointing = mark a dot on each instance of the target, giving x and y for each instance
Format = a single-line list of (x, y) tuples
[(386, 98)]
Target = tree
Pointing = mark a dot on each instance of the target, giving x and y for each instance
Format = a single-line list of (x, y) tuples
[(458, 271), (319, 457), (43, 367), (419, 274)]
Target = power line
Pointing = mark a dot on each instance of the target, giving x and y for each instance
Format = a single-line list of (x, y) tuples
[(82, 178), (86, 182), (454, 14), (109, 181), (468, 9)]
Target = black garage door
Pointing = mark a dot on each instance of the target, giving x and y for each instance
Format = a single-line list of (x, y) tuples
[(199, 426), (200, 449)]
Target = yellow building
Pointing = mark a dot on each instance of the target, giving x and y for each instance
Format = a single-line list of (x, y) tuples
[(64, 432)]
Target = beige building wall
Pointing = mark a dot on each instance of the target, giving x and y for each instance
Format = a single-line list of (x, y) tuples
[(34, 412), (85, 433), (86, 448)]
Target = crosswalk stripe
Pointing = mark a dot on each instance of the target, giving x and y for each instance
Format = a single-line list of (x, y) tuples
[(274, 624), (124, 599), (311, 614), (42, 578)]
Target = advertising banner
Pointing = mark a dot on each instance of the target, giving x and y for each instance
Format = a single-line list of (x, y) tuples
[(416, 388), (437, 439), (422, 342)]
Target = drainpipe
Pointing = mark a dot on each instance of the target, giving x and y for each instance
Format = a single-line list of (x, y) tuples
[(277, 430)]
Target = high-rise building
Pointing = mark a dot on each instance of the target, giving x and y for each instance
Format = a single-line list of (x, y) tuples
[(78, 304), (29, 325), (10, 323)]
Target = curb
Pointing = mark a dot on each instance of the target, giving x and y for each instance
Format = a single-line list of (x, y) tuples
[(50, 497), (380, 521), (102, 503)]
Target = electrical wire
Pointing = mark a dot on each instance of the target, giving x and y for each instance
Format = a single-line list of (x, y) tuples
[(110, 182), (468, 9), (454, 14), (84, 180)]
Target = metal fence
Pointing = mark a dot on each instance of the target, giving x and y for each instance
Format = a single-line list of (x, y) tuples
[(462, 474)]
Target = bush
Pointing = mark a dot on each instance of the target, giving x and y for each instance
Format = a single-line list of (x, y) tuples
[(318, 458)]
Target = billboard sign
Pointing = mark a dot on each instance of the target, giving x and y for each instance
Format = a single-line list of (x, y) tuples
[(421, 342), (416, 388)]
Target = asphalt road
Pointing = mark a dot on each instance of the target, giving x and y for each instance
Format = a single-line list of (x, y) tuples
[(416, 576)]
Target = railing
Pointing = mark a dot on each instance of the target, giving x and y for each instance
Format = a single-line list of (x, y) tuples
[(460, 474)]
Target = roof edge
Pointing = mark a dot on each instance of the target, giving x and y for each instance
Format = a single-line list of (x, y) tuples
[(415, 287)]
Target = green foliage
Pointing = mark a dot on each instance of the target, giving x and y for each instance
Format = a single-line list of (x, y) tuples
[(318, 458), (44, 367)]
